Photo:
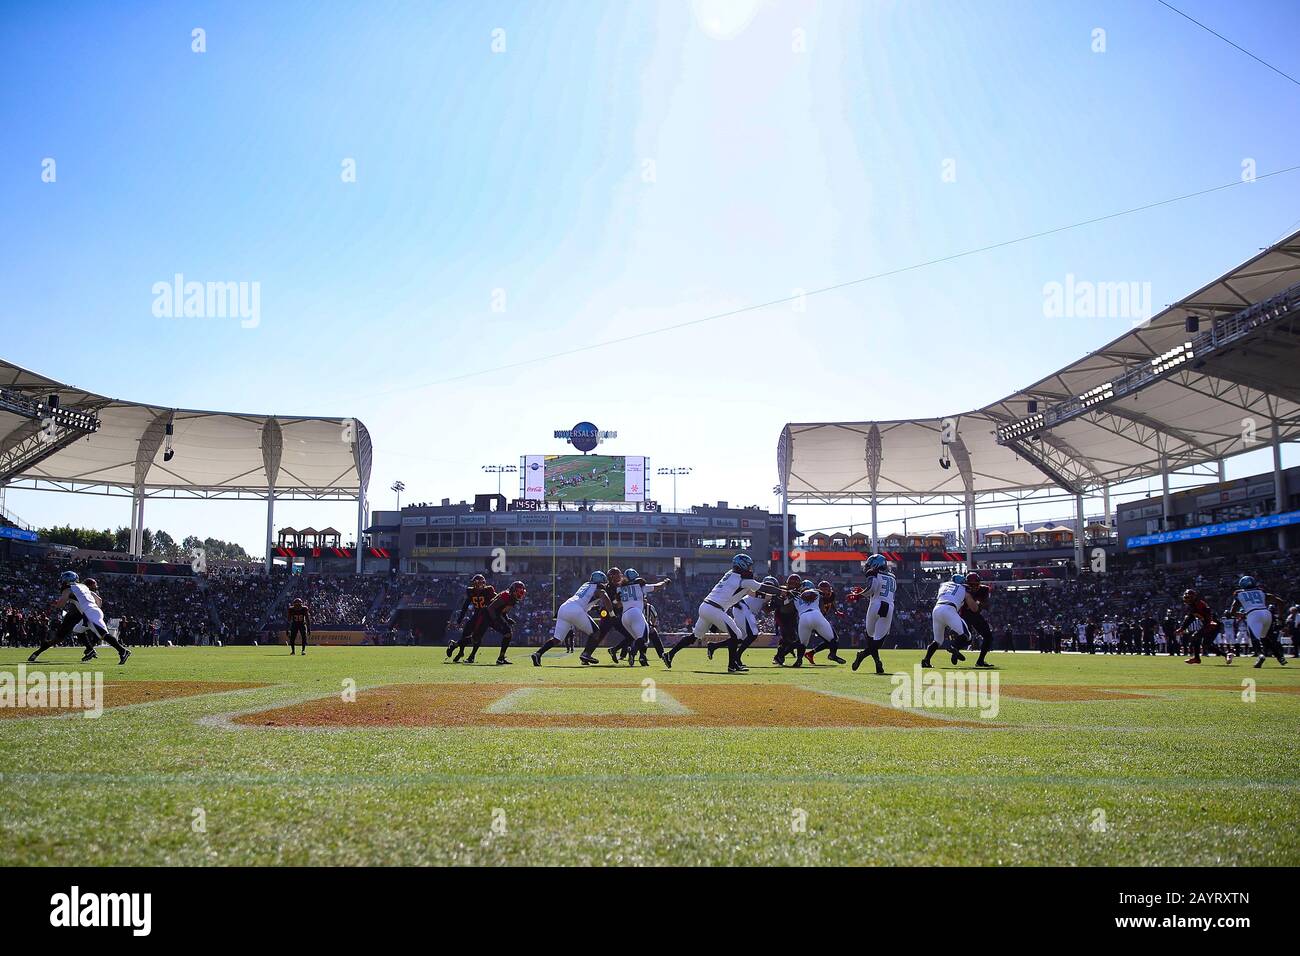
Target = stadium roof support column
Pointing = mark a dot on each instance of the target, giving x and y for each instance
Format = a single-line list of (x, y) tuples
[(361, 523), (1165, 505), (875, 456), (1279, 484), (1078, 533), (1105, 504), (151, 439), (784, 456), (970, 532), (272, 448)]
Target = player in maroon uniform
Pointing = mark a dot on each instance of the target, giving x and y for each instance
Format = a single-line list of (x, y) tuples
[(975, 619), (1198, 610), (497, 618), (478, 595)]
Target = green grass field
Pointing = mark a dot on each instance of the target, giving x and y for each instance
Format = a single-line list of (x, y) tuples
[(1178, 776)]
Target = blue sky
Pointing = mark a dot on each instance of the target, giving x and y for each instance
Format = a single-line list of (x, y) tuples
[(616, 168)]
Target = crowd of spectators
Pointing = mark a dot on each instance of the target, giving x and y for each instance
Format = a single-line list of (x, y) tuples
[(237, 604)]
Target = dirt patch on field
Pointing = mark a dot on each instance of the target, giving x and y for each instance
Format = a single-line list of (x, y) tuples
[(1066, 692), (1234, 688), (125, 692), (467, 705)]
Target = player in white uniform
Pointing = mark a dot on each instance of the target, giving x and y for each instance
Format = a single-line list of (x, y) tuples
[(632, 594), (946, 615), (811, 619), (1256, 607), (731, 588), (85, 608), (746, 612), (575, 614), (880, 590)]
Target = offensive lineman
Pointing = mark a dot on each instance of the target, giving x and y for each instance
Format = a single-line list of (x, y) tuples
[(826, 604), (632, 595), (812, 621), (85, 609), (880, 589), (946, 616), (1258, 607), (574, 615)]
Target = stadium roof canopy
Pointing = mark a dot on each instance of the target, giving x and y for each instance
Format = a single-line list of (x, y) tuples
[(217, 454), (1158, 397)]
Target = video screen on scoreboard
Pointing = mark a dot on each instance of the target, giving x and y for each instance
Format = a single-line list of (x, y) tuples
[(584, 477)]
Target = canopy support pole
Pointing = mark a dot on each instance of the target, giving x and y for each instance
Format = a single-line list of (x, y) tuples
[(1165, 506), (361, 523), (970, 532), (1078, 533), (875, 540), (1105, 503), (785, 527), (1279, 484), (270, 524)]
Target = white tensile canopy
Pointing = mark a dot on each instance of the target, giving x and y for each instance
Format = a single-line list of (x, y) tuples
[(217, 455), (1236, 400), (1209, 377)]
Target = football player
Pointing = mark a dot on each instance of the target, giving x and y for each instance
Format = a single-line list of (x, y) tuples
[(84, 608), (746, 613), (946, 616), (298, 617), (1197, 610), (731, 587), (632, 595), (880, 589), (785, 612), (826, 604), (1259, 608), (574, 615), (478, 595), (812, 621), (501, 622), (980, 591)]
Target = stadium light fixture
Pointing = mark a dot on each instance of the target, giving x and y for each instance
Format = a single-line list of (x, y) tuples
[(500, 470), (674, 471)]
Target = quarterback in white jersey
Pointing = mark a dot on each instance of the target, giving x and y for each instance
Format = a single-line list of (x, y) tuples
[(575, 614), (880, 590), (1255, 605), (946, 615), (736, 584)]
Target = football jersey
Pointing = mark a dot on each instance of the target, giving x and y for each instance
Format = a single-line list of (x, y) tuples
[(1252, 599), (730, 589), (585, 596), (755, 603), (85, 599), (632, 595), (883, 586), (952, 593), (809, 603)]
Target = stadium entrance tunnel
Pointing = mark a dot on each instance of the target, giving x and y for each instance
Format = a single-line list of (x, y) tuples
[(593, 705)]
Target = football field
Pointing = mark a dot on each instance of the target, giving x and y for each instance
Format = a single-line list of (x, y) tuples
[(391, 756)]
